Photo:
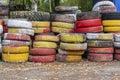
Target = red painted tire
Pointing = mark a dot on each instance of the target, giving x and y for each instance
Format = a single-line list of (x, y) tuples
[(100, 57), (42, 51), (90, 29), (101, 50), (117, 50), (117, 56), (89, 23), (42, 59)]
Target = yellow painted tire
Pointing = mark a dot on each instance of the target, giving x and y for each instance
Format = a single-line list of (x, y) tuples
[(62, 30), (41, 24), (111, 23), (41, 30), (72, 37), (41, 44), (11, 49), (63, 25), (47, 38), (68, 58), (112, 29), (73, 46), (60, 51), (15, 57)]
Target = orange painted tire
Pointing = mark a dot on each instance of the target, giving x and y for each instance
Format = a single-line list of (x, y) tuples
[(42, 59), (100, 57), (117, 56), (90, 29), (101, 50), (42, 51), (89, 23)]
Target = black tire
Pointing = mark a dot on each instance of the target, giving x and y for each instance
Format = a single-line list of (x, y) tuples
[(111, 16)]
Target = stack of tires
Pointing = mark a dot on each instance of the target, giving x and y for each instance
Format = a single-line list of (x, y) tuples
[(17, 41), (72, 47), (89, 22), (111, 22), (104, 7), (44, 48), (1, 34), (100, 46), (117, 46), (63, 22)]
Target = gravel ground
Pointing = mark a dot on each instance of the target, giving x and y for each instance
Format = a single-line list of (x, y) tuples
[(84, 70)]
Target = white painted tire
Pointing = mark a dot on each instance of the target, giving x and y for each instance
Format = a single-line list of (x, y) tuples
[(19, 23), (97, 8), (1, 29)]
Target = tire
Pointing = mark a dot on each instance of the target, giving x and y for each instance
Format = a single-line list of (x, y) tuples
[(19, 24), (117, 37), (88, 15), (4, 2), (99, 43), (94, 29), (51, 38), (111, 16), (23, 57), (4, 10), (117, 56), (101, 50), (68, 58), (63, 25), (16, 36), (112, 29), (62, 30), (21, 31), (100, 36), (110, 23), (89, 23), (42, 51), (43, 44), (15, 43), (65, 52), (1, 48), (66, 8), (73, 46), (70, 18), (41, 24), (117, 44), (72, 37), (107, 9), (100, 57), (14, 49), (117, 50), (42, 59), (41, 30), (1, 29)]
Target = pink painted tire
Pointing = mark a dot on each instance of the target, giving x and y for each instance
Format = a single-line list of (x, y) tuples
[(117, 56)]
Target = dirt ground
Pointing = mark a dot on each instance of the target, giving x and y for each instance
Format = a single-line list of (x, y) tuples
[(84, 70)]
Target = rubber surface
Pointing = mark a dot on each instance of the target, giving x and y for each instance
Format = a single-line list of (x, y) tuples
[(4, 11), (16, 36), (42, 59), (15, 43), (66, 8), (72, 37), (106, 9), (42, 51), (42, 44), (117, 56), (1, 48), (68, 58), (101, 50), (117, 50), (100, 36), (19, 23), (90, 29), (112, 29), (47, 38), (100, 57), (23, 57), (117, 44), (67, 52), (1, 29), (70, 18), (41, 30), (21, 31), (73, 46), (99, 43), (111, 16), (4, 2), (89, 23), (41, 24), (63, 25), (111, 22), (15, 49), (62, 30), (117, 37)]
